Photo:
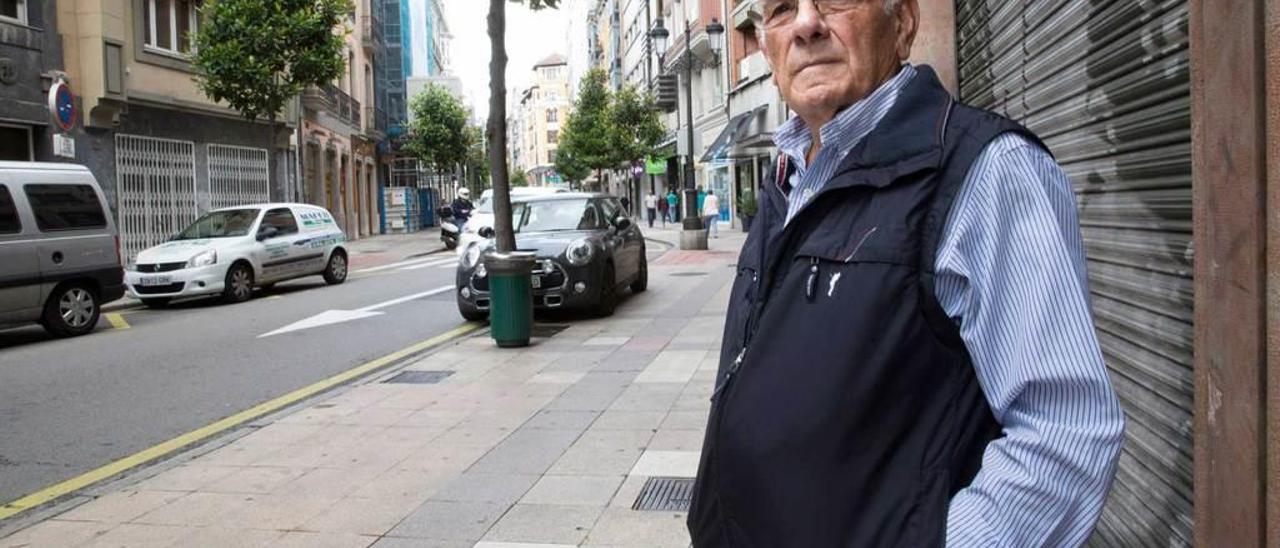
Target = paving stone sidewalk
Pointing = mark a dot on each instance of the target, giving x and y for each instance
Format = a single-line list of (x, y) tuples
[(544, 446)]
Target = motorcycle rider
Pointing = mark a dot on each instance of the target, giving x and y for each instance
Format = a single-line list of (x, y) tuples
[(462, 207)]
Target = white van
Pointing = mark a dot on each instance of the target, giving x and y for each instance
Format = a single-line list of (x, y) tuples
[(231, 251), (59, 254)]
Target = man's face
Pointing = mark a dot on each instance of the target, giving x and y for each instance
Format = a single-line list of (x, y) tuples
[(825, 62)]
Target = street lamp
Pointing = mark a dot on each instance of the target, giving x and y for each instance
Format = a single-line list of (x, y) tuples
[(715, 39)]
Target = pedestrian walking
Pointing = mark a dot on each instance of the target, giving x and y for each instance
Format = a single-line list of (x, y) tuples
[(673, 206), (651, 207), (664, 210), (711, 213), (909, 357)]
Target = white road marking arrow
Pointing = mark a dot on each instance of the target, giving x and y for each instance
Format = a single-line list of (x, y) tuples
[(331, 317)]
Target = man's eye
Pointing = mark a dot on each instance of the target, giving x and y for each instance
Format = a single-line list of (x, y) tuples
[(777, 10)]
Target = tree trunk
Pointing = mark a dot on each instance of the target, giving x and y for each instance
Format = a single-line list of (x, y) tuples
[(497, 128)]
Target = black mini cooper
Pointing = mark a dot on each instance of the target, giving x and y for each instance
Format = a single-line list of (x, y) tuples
[(587, 250)]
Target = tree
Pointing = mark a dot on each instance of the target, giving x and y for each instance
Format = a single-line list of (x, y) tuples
[(588, 136), (569, 167), (637, 130), (497, 131), (477, 162), (438, 135), (519, 178), (257, 56)]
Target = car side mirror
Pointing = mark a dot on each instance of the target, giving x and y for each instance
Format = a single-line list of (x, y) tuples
[(267, 232), (622, 223), (486, 232)]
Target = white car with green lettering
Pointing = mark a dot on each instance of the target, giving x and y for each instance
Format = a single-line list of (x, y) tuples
[(231, 251)]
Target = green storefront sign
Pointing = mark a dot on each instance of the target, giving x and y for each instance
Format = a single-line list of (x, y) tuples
[(655, 166)]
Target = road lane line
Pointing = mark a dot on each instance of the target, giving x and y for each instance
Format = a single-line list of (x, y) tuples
[(117, 321), (392, 265), (451, 264), (453, 260), (154, 452), (406, 299)]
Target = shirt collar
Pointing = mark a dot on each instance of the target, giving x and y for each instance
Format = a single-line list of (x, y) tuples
[(849, 126)]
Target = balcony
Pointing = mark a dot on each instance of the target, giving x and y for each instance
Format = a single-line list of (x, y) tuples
[(334, 101), (375, 122), (371, 33)]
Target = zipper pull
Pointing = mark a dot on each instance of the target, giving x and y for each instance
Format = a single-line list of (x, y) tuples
[(811, 287), (728, 375)]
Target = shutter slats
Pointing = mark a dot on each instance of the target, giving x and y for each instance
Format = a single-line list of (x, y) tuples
[(1106, 85)]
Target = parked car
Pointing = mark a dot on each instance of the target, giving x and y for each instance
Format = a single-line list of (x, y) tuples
[(231, 251), (587, 250), (482, 217), (59, 252)]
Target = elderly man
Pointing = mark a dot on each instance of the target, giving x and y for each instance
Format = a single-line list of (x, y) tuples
[(909, 357)]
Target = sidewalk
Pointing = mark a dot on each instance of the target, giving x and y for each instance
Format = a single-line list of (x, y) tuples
[(545, 446)]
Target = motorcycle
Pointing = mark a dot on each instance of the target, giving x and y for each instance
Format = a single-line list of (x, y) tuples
[(450, 231)]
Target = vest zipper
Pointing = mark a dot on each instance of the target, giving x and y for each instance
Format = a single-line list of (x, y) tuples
[(811, 286)]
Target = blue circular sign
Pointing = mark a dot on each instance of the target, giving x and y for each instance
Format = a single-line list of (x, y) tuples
[(63, 104)]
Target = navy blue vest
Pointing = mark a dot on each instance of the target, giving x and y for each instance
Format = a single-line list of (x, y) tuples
[(847, 411)]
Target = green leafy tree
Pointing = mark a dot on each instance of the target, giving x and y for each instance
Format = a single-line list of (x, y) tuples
[(497, 130), (588, 137), (438, 135), (568, 166), (477, 162), (519, 178), (636, 127), (256, 56)]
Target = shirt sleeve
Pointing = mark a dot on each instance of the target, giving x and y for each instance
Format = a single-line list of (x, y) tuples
[(1011, 273)]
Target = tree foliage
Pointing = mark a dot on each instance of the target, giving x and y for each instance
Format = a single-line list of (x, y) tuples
[(438, 135), (477, 162), (637, 129), (587, 141), (519, 178), (257, 55)]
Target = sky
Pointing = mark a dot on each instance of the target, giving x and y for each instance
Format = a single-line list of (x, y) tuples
[(530, 38)]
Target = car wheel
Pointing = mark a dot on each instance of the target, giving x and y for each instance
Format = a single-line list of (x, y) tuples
[(641, 283), (608, 292), (71, 311), (239, 283), (157, 302), (336, 271), (471, 313), (450, 245)]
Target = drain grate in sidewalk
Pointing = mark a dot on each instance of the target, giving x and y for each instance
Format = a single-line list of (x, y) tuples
[(665, 495), (546, 330), (419, 377)]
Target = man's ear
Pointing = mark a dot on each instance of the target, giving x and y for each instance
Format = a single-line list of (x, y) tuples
[(907, 19)]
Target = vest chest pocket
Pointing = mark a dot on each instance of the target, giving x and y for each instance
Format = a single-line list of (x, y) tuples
[(830, 259)]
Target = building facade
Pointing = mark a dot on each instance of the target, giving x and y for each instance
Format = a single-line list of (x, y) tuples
[(536, 121), (30, 62), (163, 152), (339, 139)]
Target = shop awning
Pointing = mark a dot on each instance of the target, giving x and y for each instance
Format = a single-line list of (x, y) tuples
[(734, 130)]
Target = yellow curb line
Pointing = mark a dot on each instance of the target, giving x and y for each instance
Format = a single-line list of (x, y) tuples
[(154, 452), (117, 321)]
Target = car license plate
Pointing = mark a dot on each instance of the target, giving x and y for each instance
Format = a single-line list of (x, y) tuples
[(148, 281), (537, 281)]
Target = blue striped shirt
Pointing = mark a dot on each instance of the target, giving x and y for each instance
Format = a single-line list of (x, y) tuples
[(1011, 273)]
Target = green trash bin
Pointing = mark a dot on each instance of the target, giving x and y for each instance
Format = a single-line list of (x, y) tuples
[(510, 297)]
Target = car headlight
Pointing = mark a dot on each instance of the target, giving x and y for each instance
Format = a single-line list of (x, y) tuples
[(203, 259), (579, 252), (472, 256)]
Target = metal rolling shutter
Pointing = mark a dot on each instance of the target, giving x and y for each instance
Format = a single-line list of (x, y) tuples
[(1106, 84)]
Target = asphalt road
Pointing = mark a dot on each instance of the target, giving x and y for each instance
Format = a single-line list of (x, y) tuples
[(69, 406)]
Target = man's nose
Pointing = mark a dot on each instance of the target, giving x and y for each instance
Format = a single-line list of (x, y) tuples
[(809, 24)]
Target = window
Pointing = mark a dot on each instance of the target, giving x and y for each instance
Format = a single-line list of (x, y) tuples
[(9, 222), (551, 156), (553, 116), (170, 24), (552, 135), (65, 207), (14, 9), (282, 219)]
